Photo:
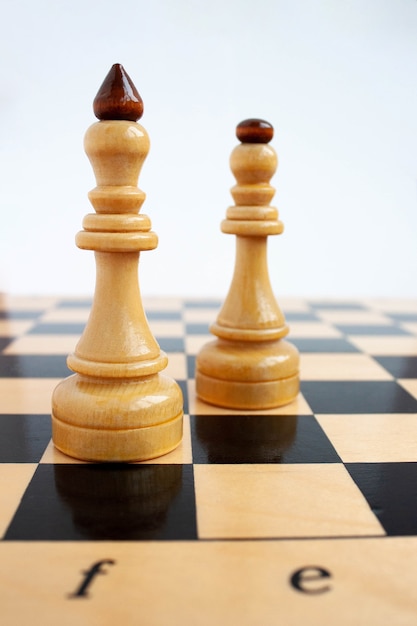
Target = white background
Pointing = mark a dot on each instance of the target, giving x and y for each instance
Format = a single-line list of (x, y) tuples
[(336, 78)]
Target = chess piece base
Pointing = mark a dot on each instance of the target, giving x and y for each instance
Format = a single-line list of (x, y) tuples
[(109, 420), (241, 375)]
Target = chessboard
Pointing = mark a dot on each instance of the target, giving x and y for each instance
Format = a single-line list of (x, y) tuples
[(306, 514)]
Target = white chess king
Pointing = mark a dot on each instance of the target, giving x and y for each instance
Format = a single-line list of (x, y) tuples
[(249, 365), (118, 406)]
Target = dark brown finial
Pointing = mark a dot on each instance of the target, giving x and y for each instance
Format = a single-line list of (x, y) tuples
[(118, 98), (254, 131)]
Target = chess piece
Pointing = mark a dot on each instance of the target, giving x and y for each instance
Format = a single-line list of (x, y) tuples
[(118, 406), (250, 365)]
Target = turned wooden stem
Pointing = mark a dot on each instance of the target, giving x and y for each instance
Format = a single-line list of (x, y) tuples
[(250, 303), (117, 330)]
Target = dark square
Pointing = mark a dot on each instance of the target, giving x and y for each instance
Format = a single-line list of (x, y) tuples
[(337, 305), (233, 438), (164, 315), (57, 329), (391, 492), (108, 503), (399, 366), (19, 314), (203, 304), (75, 303), (357, 397), (33, 366), (198, 329), (403, 317), (191, 358), (4, 342), (323, 345), (184, 389), (374, 329), (300, 316), (171, 344), (23, 438)]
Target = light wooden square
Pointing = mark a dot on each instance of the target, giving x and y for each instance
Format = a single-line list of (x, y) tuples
[(66, 315), (43, 344), (201, 315), (177, 366), (372, 438), (14, 327), (259, 501), (26, 303), (385, 346), (194, 343), (341, 367), (26, 395), (161, 304), (397, 305), (290, 304), (167, 328)]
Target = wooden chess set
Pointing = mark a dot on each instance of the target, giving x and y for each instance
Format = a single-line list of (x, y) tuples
[(207, 462)]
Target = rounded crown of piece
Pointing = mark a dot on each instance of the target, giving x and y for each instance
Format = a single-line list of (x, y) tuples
[(254, 130)]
